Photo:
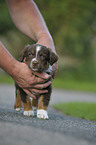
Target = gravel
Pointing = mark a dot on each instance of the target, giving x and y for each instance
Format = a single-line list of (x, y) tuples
[(15, 128)]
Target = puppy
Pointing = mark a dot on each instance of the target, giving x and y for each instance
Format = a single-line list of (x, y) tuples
[(39, 59)]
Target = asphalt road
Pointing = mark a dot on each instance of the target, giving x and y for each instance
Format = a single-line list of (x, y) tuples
[(16, 129)]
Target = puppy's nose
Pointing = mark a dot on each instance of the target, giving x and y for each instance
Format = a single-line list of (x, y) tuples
[(35, 62)]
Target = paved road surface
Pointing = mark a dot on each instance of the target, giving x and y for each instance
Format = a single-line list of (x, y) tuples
[(16, 129)]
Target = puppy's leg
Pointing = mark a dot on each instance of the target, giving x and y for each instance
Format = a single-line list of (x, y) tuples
[(26, 103), (43, 104), (34, 104), (42, 109), (18, 102), (28, 107)]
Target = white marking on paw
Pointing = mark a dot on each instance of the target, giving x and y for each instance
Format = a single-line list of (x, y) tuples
[(17, 109), (42, 114), (28, 113)]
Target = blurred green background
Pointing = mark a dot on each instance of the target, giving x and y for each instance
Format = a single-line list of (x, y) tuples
[(72, 24)]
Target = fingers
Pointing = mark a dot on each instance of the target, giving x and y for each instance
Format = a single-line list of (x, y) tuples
[(42, 86), (42, 75), (39, 91), (36, 80), (54, 68), (29, 93), (54, 74)]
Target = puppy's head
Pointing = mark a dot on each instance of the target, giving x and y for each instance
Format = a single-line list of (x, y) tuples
[(38, 57)]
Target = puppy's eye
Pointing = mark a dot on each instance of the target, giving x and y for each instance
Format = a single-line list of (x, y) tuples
[(30, 54), (42, 57)]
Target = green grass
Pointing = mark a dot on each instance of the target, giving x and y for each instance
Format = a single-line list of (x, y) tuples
[(60, 83), (6, 79), (78, 109), (74, 85)]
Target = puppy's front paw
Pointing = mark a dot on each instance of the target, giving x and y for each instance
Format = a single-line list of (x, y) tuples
[(42, 114), (28, 113), (17, 109)]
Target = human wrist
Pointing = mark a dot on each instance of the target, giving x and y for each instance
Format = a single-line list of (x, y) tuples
[(7, 61), (46, 40), (14, 69)]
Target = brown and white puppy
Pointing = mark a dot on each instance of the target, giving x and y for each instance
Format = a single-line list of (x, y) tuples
[(39, 59)]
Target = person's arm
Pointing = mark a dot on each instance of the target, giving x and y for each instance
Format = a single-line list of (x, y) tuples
[(29, 20), (21, 74)]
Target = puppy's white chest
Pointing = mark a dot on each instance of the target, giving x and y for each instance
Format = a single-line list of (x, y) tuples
[(49, 70)]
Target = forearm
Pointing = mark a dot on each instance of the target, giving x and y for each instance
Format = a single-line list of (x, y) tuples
[(29, 20), (7, 62)]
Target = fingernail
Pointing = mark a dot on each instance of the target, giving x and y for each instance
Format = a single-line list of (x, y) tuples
[(46, 91), (50, 82), (47, 76)]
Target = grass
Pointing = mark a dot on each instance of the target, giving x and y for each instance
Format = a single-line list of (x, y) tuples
[(78, 109), (6, 79), (60, 83), (74, 85)]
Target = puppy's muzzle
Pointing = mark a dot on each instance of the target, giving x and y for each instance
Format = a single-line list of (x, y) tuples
[(35, 62)]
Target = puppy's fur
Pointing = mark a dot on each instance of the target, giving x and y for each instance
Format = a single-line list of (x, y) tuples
[(40, 59)]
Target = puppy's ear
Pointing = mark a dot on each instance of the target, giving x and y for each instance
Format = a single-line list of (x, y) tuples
[(53, 58), (23, 53)]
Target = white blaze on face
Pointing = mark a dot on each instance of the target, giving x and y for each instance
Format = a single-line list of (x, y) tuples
[(38, 48)]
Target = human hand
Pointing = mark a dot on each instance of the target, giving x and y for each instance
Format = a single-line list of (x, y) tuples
[(54, 69), (46, 40), (30, 81)]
